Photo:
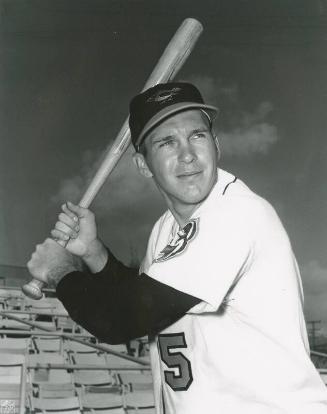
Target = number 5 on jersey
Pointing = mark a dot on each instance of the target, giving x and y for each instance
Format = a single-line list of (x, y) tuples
[(167, 344)]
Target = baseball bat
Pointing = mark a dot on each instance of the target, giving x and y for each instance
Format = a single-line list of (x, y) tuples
[(171, 61)]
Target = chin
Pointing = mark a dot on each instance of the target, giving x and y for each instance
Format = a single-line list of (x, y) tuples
[(198, 193), (196, 197)]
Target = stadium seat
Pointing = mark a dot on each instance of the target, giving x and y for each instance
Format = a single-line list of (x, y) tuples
[(150, 410), (45, 325), (76, 347), (56, 366), (135, 381), (96, 360), (47, 358), (11, 368), (139, 347), (56, 390), (105, 411), (65, 324), (118, 362), (13, 325), (48, 344), (12, 383), (82, 377), (102, 389), (89, 358), (10, 398), (11, 292), (20, 315), (135, 346), (97, 401), (15, 345), (42, 304), (139, 399), (14, 303), (49, 374), (69, 405)]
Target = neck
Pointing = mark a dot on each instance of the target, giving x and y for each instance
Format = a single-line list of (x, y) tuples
[(182, 212), (182, 215)]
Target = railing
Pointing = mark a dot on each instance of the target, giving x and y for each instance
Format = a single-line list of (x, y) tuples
[(72, 337), (320, 360)]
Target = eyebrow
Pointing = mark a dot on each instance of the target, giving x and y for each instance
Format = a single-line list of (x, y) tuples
[(196, 131), (168, 137), (162, 139)]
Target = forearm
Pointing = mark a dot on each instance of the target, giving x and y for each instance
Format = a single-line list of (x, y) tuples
[(118, 305), (88, 297)]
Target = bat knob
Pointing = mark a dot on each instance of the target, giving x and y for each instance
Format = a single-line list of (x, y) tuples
[(33, 289)]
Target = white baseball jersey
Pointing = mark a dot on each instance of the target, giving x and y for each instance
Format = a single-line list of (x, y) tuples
[(244, 348)]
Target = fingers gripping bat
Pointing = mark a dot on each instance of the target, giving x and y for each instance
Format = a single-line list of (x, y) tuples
[(171, 61)]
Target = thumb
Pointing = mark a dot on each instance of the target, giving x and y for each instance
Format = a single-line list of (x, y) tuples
[(78, 210)]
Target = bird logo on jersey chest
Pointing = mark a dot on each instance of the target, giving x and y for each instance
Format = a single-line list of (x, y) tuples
[(178, 245)]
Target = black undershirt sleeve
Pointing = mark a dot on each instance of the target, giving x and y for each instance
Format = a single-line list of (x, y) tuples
[(117, 305)]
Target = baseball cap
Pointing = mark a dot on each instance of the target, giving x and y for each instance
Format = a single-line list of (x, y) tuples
[(156, 104)]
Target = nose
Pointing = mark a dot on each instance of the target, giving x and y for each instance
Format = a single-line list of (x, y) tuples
[(186, 153)]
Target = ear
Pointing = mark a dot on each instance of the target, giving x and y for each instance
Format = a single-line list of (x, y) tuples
[(142, 165), (217, 146)]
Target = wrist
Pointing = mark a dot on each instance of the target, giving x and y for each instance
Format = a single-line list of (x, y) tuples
[(96, 256), (55, 275), (92, 249)]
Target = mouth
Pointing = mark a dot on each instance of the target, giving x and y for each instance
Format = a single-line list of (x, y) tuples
[(189, 174)]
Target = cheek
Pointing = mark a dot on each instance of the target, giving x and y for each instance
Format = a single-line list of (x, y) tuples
[(209, 157), (162, 167), (213, 153)]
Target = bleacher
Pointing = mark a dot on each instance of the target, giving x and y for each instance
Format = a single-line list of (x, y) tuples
[(48, 363)]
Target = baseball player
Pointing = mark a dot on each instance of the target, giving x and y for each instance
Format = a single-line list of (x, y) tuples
[(218, 292)]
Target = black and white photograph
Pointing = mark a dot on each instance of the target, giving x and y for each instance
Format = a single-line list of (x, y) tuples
[(163, 206)]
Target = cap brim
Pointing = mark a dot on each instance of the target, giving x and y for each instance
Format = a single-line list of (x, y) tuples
[(165, 113)]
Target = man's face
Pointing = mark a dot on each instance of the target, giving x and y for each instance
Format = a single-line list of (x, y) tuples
[(182, 157)]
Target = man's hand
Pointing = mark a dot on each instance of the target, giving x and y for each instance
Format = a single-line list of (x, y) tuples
[(50, 263), (77, 224)]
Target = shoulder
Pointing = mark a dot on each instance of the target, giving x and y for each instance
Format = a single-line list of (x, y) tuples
[(246, 209), (239, 197), (250, 220)]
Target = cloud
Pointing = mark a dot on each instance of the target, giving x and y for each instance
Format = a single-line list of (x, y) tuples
[(124, 185), (314, 277), (126, 207), (241, 132), (246, 141)]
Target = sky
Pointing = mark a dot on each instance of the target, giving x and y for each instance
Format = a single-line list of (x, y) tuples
[(69, 68)]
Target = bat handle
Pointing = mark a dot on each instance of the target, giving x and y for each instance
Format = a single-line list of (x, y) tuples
[(33, 289)]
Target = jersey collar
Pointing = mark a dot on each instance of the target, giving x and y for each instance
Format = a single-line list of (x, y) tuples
[(224, 179)]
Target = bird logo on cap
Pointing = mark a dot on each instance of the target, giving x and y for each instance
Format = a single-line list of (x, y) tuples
[(164, 95)]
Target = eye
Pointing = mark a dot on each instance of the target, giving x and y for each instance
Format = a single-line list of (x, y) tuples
[(166, 143), (199, 135)]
